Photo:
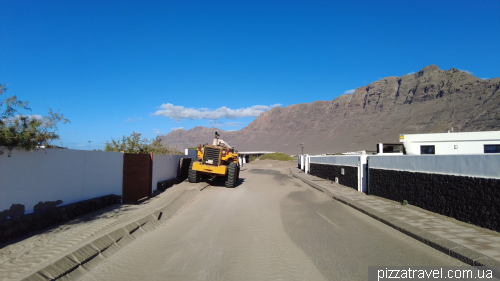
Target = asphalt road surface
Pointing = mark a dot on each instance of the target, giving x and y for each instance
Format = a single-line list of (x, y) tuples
[(270, 227)]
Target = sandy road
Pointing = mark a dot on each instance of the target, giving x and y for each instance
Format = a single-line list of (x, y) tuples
[(270, 227)]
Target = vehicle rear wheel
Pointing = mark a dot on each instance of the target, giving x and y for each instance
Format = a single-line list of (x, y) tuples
[(232, 169), (193, 175)]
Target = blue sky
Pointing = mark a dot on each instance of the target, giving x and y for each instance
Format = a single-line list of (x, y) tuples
[(114, 67)]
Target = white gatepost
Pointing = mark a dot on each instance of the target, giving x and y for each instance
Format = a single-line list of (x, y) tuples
[(359, 174), (363, 177), (307, 164), (302, 160), (362, 173)]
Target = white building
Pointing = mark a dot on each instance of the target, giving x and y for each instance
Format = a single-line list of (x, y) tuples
[(452, 143), (390, 148)]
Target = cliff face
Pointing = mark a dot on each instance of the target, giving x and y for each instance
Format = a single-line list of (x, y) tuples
[(429, 101)]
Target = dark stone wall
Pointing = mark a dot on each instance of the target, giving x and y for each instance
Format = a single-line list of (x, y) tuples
[(468, 199), (15, 210), (46, 205), (163, 185), (19, 226), (182, 174), (325, 171)]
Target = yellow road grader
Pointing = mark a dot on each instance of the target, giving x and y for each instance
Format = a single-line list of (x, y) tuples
[(216, 160)]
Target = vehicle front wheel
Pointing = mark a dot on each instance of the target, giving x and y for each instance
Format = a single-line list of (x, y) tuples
[(193, 175)]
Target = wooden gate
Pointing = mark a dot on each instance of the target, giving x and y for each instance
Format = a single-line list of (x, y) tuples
[(137, 177)]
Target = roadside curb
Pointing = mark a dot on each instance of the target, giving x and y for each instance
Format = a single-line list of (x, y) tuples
[(79, 261), (448, 247)]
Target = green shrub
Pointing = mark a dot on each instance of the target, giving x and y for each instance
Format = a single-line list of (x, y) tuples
[(276, 156), (252, 158), (134, 144)]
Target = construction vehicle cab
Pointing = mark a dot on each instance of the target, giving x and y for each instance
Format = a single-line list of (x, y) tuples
[(216, 160)]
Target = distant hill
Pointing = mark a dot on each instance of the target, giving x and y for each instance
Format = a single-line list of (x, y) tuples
[(429, 101)]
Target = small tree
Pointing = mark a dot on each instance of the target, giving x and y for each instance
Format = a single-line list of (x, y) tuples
[(134, 144), (10, 104), (130, 144), (27, 132), (156, 147)]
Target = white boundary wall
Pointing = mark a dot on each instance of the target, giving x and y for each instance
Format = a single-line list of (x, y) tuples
[(165, 167), (481, 165), (345, 160), (58, 174), (478, 165), (191, 153), (358, 161)]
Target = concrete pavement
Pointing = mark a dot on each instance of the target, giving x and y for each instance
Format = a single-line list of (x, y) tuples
[(471, 244), (271, 226), (75, 245)]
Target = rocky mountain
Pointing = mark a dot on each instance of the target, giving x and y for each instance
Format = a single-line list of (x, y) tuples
[(429, 101)]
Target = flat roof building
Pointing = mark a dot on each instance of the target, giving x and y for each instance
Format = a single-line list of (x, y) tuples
[(452, 143)]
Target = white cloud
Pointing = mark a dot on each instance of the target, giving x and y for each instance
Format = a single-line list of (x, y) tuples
[(178, 128), (180, 112), (484, 78), (34, 116), (232, 124), (413, 72), (215, 124), (466, 71), (132, 119), (348, 92), (158, 131)]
